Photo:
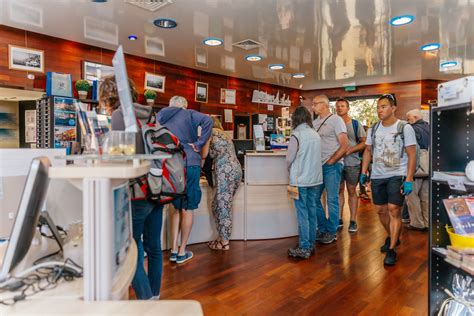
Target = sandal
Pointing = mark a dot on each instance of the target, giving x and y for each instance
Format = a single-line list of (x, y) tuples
[(218, 245)]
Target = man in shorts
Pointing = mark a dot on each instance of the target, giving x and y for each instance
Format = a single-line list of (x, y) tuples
[(352, 160), (391, 145), (184, 123)]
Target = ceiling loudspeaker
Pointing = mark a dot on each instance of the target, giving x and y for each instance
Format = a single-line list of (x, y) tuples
[(150, 5), (247, 44)]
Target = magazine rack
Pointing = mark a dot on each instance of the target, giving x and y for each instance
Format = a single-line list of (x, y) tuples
[(452, 147)]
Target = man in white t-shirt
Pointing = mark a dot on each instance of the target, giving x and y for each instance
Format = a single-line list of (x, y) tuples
[(391, 145), (334, 144)]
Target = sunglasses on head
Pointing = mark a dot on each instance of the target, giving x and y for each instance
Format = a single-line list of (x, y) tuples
[(390, 97)]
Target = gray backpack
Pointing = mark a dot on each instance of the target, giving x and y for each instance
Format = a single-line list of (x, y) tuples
[(166, 180)]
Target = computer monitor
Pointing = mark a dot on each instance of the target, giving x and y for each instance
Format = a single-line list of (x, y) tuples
[(32, 200)]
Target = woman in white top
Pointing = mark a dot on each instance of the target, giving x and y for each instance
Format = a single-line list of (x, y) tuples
[(304, 164)]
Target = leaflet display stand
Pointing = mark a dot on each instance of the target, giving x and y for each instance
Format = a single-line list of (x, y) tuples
[(97, 178)]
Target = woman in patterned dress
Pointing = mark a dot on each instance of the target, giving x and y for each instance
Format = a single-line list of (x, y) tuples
[(227, 177)]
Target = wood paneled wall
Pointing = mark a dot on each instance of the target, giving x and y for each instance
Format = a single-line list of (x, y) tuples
[(410, 94), (68, 56)]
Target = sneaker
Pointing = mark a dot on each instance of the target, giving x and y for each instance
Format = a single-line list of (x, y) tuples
[(298, 252), (319, 236), (173, 255), (341, 225), (353, 227), (386, 245), (390, 258), (188, 255), (328, 238)]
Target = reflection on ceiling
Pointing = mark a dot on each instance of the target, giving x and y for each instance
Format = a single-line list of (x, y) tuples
[(331, 42)]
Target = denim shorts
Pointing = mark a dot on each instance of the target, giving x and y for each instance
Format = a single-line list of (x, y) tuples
[(387, 190), (193, 190), (351, 174)]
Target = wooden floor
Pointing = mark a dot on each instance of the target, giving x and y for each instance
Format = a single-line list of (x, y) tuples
[(345, 278)]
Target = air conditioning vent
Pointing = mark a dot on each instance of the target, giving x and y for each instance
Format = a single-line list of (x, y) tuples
[(247, 44), (150, 5)]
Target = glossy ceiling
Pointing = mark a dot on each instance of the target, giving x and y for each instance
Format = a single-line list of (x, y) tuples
[(333, 42)]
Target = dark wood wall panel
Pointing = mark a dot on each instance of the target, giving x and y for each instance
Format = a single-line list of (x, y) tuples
[(410, 95), (67, 57)]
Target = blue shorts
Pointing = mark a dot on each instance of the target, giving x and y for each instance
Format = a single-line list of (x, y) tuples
[(193, 190)]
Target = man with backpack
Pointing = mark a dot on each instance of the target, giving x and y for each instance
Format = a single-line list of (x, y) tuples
[(184, 123), (418, 200), (351, 172), (391, 145)]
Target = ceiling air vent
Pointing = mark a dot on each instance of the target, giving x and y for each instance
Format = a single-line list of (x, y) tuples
[(150, 5), (247, 44)]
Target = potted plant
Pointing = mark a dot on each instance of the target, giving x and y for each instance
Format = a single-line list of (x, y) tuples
[(150, 96), (82, 87)]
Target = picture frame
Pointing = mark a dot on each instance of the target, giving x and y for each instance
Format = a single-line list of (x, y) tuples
[(26, 59), (228, 96), (92, 71), (154, 82), (201, 92)]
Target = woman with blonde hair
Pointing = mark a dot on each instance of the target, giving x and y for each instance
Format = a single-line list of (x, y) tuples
[(227, 176)]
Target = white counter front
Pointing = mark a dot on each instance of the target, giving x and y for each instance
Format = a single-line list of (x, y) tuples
[(269, 213), (261, 208)]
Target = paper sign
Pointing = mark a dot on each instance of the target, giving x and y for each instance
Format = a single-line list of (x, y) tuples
[(227, 116), (270, 107), (457, 184)]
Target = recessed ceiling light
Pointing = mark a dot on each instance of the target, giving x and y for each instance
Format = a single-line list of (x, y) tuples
[(402, 20), (165, 23), (431, 46), (213, 41), (298, 76), (132, 37), (449, 64), (253, 57), (276, 66)]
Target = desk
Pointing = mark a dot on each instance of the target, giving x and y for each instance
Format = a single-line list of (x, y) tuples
[(269, 213), (97, 181)]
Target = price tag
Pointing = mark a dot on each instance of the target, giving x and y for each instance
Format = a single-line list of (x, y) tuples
[(457, 184)]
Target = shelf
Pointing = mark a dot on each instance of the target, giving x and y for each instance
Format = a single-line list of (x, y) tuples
[(467, 105), (441, 252), (450, 178)]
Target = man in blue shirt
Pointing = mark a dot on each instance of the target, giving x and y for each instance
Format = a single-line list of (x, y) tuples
[(184, 123)]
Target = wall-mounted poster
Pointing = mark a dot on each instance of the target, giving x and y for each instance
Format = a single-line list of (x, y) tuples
[(22, 58), (201, 92), (155, 82), (94, 71), (228, 96), (65, 120), (227, 116)]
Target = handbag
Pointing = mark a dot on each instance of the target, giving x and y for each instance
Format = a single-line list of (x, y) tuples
[(292, 190)]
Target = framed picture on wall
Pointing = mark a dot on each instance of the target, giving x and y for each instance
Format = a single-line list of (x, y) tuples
[(228, 96), (201, 92), (154, 82), (27, 59), (94, 71)]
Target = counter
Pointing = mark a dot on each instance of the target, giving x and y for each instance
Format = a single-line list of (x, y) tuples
[(261, 208), (269, 213)]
